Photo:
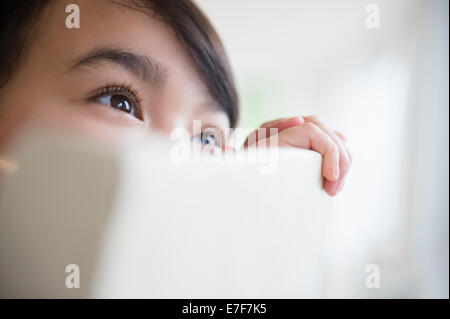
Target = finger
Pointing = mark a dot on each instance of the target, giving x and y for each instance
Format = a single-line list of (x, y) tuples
[(342, 136), (279, 125), (310, 136), (284, 122), (344, 154), (333, 187)]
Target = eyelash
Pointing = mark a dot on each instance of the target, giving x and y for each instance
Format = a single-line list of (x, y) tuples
[(125, 89)]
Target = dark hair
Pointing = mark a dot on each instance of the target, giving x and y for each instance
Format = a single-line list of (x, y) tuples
[(191, 26)]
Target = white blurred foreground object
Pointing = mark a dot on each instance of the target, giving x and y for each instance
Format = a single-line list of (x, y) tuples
[(135, 224)]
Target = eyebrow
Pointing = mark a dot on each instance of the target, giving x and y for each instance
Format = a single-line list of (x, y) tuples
[(138, 65)]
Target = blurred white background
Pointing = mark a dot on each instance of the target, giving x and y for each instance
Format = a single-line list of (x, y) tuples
[(386, 89)]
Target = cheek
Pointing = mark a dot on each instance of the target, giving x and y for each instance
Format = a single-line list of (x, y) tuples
[(13, 115), (93, 121)]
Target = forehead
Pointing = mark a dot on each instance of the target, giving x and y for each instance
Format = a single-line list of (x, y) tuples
[(106, 23)]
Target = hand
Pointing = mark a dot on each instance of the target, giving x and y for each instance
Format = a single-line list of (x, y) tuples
[(310, 133)]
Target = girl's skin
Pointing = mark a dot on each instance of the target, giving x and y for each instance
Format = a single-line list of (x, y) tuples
[(56, 85)]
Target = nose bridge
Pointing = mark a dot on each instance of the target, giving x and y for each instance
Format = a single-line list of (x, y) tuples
[(170, 116), (177, 106)]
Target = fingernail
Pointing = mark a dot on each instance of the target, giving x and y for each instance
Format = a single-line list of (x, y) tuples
[(336, 172), (298, 118)]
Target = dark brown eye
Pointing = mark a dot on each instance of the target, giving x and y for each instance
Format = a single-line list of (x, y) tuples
[(121, 102), (210, 136), (119, 99)]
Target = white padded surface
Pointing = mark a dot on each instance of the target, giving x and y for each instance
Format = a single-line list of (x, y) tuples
[(139, 225)]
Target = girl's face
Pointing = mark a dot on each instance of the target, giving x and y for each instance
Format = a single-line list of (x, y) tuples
[(121, 73)]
